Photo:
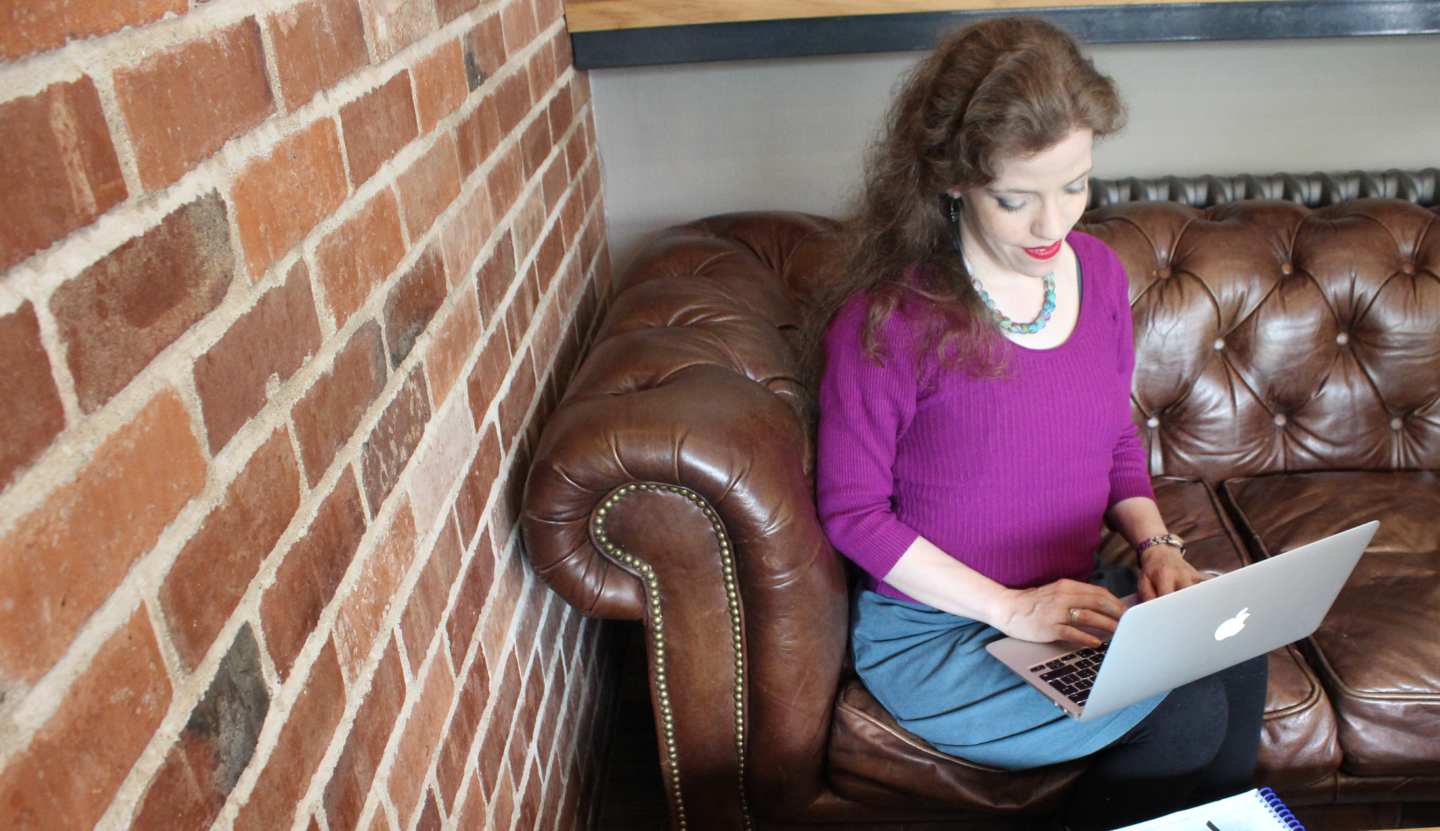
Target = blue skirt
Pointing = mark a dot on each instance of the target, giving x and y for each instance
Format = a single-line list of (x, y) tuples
[(931, 672)]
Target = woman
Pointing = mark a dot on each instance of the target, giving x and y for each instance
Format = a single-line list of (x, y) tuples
[(975, 430)]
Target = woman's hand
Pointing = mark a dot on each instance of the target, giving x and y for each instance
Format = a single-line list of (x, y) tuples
[(1163, 570), (1044, 614)]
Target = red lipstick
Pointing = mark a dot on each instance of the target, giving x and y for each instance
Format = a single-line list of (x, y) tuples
[(1044, 253)]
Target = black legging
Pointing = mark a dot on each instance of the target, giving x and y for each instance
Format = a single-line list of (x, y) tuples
[(1198, 745)]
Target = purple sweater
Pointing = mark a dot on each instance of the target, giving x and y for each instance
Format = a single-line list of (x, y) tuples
[(1010, 475)]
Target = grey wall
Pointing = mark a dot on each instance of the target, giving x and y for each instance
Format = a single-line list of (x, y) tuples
[(682, 142)]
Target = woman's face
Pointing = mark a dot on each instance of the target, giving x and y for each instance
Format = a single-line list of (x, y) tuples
[(1019, 220)]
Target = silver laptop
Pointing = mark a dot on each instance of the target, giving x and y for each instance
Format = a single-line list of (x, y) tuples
[(1192, 633)]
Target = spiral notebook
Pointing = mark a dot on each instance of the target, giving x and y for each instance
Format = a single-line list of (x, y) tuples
[(1258, 810)]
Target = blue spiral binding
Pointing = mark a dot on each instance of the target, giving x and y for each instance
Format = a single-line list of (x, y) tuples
[(1282, 813)]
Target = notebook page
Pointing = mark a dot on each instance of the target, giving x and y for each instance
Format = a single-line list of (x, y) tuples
[(1242, 812)]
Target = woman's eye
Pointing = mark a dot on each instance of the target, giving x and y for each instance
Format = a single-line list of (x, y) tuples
[(1009, 206), (1079, 189)]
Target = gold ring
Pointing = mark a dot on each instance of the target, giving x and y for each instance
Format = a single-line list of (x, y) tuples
[(1073, 615)]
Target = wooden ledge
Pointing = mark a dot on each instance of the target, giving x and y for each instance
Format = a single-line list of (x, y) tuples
[(619, 33)]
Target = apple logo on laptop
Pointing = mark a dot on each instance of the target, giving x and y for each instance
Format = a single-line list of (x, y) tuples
[(1232, 626)]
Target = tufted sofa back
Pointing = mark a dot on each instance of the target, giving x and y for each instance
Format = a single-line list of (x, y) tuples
[(1271, 337)]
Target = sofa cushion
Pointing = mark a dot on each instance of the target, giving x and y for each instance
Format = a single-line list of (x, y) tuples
[(1377, 652)]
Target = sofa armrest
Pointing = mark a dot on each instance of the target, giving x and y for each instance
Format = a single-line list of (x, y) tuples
[(672, 485)]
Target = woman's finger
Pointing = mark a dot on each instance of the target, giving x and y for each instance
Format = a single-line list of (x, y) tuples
[(1070, 633)]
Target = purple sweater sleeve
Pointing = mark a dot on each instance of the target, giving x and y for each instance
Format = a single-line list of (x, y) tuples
[(864, 409)]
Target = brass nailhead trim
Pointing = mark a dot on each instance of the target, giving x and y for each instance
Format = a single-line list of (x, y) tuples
[(652, 590)]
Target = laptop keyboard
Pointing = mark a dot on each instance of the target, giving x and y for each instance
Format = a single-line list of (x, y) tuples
[(1072, 675)]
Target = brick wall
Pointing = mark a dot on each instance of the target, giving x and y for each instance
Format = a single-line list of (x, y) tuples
[(288, 288)]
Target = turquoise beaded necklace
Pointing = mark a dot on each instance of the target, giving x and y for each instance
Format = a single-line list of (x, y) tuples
[(1012, 326)]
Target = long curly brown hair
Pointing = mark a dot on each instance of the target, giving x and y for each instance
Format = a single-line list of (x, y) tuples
[(1002, 88)]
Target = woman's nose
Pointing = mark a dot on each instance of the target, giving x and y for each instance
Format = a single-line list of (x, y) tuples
[(1052, 223)]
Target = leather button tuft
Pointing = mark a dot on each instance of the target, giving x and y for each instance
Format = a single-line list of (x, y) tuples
[(1408, 268), (1342, 338), (1162, 273), (1397, 424), (1152, 422), (1287, 268), (1280, 419), (1219, 344)]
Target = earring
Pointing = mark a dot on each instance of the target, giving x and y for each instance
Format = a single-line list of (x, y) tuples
[(954, 209)]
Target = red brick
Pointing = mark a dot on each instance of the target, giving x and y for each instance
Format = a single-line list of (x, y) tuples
[(474, 493), (364, 609), (124, 310), (495, 627), (530, 608), (555, 183), (395, 437), (541, 68), (58, 163), (365, 746), (535, 145), (451, 9), (561, 112), (421, 739), (440, 86), (274, 338), (303, 740), (564, 53), (485, 51), (30, 28), (547, 12), (528, 223), (413, 302), (488, 374), (455, 752), (377, 125), (522, 734), (505, 181), (466, 234), (442, 463), (430, 596), (310, 573), (547, 259), (329, 413), (512, 101), (430, 817), (429, 186), (502, 810), (359, 255), (62, 561), (512, 489), (496, 276), (395, 24), (516, 403), (183, 104), (472, 810), (454, 343), (317, 44), (214, 747), (281, 197), (30, 409), (477, 135), (68, 774), (502, 716), (216, 566), (576, 152), (380, 821), (520, 25)]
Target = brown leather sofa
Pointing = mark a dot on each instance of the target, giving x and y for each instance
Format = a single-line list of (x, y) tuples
[(1287, 332)]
